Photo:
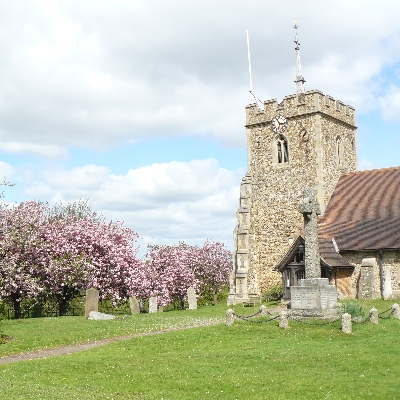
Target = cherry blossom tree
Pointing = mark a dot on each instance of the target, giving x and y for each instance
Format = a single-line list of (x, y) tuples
[(164, 274), (170, 270), (20, 252), (212, 267), (60, 254)]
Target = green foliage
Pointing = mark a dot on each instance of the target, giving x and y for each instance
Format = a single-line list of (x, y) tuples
[(354, 309), (274, 293)]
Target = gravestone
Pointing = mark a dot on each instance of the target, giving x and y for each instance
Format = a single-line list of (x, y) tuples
[(92, 301), (192, 298), (366, 282), (153, 304), (134, 305), (315, 297), (387, 284)]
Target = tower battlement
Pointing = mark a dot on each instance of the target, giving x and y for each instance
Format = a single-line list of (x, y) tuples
[(292, 106)]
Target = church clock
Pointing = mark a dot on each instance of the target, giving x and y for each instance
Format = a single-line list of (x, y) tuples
[(279, 124)]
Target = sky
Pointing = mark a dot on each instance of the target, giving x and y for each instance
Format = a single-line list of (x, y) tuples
[(139, 104)]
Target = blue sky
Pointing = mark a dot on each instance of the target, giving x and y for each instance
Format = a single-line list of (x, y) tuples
[(140, 104)]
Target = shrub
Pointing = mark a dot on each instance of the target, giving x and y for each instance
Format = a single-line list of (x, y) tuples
[(355, 310), (274, 293)]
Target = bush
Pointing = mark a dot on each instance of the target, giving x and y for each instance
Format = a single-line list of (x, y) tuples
[(355, 310), (274, 293)]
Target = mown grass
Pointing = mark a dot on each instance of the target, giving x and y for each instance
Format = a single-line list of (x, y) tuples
[(42, 333), (243, 361)]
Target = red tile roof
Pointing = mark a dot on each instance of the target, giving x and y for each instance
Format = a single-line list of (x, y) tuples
[(364, 211), (329, 255)]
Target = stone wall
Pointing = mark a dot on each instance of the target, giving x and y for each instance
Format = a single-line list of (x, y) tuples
[(390, 267)]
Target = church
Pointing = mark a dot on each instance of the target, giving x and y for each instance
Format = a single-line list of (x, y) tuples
[(309, 139)]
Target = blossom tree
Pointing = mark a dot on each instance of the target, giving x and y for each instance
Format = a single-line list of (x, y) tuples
[(212, 267), (20, 252), (79, 253), (170, 270), (59, 254), (164, 274)]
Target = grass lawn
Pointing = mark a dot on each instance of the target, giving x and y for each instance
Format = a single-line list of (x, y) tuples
[(243, 361)]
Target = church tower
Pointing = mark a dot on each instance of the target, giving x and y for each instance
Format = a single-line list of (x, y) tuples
[(306, 140)]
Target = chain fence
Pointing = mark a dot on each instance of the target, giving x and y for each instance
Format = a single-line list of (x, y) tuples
[(382, 316), (307, 321)]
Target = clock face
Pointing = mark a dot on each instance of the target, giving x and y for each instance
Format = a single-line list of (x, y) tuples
[(279, 124)]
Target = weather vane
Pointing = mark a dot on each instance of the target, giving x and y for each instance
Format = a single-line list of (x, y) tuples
[(299, 80)]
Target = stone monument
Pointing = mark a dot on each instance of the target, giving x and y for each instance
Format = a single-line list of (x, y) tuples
[(92, 301), (315, 297), (192, 298)]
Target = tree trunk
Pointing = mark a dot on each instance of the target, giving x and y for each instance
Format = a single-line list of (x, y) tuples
[(17, 308), (62, 307), (215, 301)]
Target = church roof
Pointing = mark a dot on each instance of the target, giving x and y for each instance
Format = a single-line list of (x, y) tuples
[(329, 255), (364, 211)]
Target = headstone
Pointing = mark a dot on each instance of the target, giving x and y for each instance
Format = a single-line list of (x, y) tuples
[(134, 305), (230, 318), (387, 284), (346, 323), (192, 298), (373, 315), (283, 320), (396, 310), (92, 301), (315, 297), (95, 315), (366, 282), (160, 309), (153, 304)]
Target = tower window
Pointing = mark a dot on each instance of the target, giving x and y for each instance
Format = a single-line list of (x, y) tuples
[(339, 151), (281, 150)]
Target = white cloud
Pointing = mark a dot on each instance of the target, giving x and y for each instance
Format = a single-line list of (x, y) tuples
[(163, 202), (39, 150), (97, 74)]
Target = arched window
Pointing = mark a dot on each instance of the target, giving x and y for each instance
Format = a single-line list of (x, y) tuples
[(281, 150)]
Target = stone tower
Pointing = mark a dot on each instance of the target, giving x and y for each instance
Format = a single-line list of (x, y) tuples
[(307, 140)]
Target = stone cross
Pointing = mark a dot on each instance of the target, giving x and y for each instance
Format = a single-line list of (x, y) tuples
[(310, 209)]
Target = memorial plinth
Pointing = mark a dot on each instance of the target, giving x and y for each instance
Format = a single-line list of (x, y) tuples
[(315, 297)]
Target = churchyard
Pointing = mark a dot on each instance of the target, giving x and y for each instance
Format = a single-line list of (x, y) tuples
[(247, 360)]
